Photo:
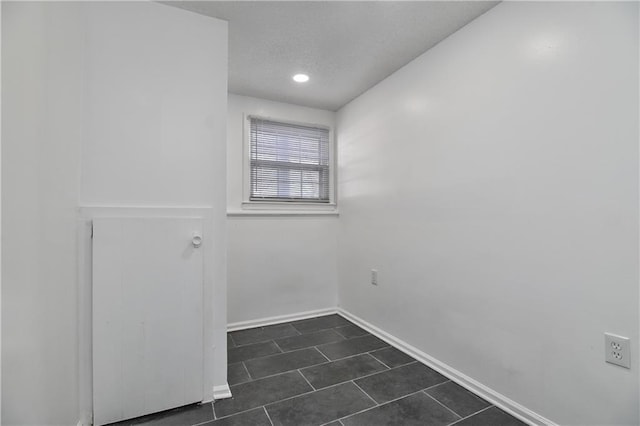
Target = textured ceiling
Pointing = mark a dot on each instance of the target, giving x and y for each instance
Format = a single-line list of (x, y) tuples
[(345, 47)]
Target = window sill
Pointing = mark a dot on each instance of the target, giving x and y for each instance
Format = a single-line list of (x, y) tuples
[(284, 209), (257, 213)]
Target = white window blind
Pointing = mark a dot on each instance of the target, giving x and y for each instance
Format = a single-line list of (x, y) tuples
[(289, 162)]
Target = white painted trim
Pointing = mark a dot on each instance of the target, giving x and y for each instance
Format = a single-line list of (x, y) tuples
[(107, 207), (460, 378), (241, 325), (221, 392), (85, 319), (285, 121), (238, 213), (91, 212)]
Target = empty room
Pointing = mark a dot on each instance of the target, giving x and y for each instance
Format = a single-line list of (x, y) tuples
[(306, 213)]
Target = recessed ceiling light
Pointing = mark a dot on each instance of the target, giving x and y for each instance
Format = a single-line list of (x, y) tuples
[(300, 78)]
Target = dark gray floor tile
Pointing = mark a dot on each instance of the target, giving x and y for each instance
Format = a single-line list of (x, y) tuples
[(400, 381), (457, 398), (491, 417), (267, 366), (230, 342), (357, 345), (392, 357), (256, 350), (351, 330), (343, 370), (336, 423), (260, 392), (262, 334), (319, 407), (236, 373), (307, 340), (319, 323), (257, 417), (189, 415), (414, 410)]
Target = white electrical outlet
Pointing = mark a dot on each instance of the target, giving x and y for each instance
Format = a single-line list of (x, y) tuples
[(374, 277), (616, 350)]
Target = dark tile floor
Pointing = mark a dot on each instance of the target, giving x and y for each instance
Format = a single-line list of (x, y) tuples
[(327, 371)]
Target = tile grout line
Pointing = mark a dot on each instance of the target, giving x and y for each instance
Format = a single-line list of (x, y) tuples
[(277, 346), (400, 397), (360, 377), (372, 350), (370, 374), (239, 412), (326, 363), (470, 415), (342, 339), (250, 343), (377, 405), (207, 421), (232, 339), (280, 400), (286, 371), (248, 374), (447, 408), (359, 354), (306, 380), (368, 396), (308, 393), (482, 409), (374, 357), (406, 396), (273, 355), (277, 374), (264, 407), (433, 386), (213, 408), (322, 353)]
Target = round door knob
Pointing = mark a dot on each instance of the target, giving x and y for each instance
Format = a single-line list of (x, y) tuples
[(196, 241)]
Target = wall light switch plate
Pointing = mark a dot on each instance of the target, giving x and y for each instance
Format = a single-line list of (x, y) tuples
[(617, 350)]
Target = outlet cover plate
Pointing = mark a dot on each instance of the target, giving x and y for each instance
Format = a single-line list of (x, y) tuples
[(374, 277), (617, 350)]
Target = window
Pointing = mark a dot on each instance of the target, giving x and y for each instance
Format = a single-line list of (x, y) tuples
[(289, 162)]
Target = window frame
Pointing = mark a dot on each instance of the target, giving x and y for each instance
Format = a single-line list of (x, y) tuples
[(282, 205)]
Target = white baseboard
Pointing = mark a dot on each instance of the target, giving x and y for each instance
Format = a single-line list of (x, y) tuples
[(221, 392), (241, 325), (463, 380)]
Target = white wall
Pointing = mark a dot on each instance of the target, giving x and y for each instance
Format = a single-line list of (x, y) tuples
[(493, 182), (40, 167), (153, 108), (277, 265), (121, 108)]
